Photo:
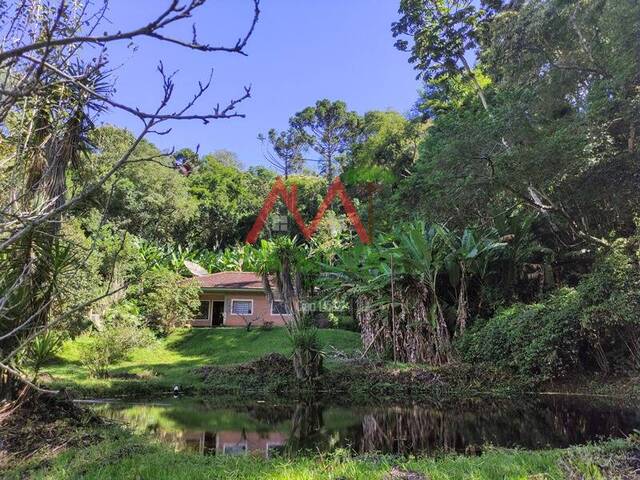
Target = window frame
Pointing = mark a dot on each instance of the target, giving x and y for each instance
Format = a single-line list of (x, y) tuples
[(232, 445), (241, 300), (208, 317), (283, 303)]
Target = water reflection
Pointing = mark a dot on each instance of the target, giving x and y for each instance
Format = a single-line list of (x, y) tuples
[(266, 430)]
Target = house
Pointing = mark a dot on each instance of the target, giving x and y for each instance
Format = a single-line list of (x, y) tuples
[(234, 299), (237, 442)]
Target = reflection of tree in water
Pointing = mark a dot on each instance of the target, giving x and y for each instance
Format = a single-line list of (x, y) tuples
[(407, 430), (532, 422), (306, 428), (554, 422)]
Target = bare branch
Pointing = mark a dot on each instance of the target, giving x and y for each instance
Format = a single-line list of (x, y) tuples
[(172, 14)]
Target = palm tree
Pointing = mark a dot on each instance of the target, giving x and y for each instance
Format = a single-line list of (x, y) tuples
[(421, 253), (361, 276), (401, 286)]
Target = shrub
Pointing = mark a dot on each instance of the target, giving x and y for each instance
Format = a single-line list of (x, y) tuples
[(307, 353), (542, 340), (42, 349), (343, 321), (611, 307), (594, 326), (121, 333), (166, 301)]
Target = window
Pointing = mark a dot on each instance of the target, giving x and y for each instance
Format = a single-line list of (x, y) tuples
[(275, 450), (203, 312), (242, 307), (280, 223), (279, 308), (234, 448)]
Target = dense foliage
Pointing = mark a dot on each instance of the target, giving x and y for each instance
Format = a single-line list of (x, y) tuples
[(593, 326), (504, 207)]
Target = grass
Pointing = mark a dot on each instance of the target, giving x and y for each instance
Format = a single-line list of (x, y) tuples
[(120, 454), (172, 361)]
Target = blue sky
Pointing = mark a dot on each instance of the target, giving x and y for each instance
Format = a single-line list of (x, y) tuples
[(301, 51)]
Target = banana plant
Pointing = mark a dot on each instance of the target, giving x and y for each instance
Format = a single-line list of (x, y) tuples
[(422, 250), (469, 255)]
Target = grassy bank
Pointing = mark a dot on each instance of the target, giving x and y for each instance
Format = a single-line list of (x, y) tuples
[(232, 361), (175, 359), (116, 453)]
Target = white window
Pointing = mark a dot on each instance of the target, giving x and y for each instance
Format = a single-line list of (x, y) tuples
[(279, 308), (242, 307), (203, 311), (234, 448)]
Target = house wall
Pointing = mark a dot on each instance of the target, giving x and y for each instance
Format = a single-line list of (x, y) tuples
[(212, 442), (261, 309)]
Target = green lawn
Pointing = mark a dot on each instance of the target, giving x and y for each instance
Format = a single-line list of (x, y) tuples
[(172, 360), (123, 455)]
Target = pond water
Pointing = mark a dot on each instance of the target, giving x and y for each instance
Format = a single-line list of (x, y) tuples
[(265, 429)]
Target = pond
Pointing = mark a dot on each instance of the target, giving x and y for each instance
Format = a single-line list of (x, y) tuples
[(266, 429)]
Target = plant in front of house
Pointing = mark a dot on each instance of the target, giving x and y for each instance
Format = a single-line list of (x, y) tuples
[(285, 262), (165, 301), (121, 331)]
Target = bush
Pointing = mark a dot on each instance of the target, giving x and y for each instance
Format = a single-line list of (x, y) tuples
[(542, 340), (594, 326), (610, 314), (42, 349), (307, 353), (343, 321), (121, 333), (166, 301)]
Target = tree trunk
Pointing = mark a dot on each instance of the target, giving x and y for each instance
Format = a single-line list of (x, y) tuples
[(307, 364), (479, 88), (8, 387), (463, 303)]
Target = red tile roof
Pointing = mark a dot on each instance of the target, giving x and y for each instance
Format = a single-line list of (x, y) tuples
[(230, 280)]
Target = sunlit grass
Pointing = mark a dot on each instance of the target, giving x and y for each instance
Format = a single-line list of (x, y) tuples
[(122, 455), (172, 360)]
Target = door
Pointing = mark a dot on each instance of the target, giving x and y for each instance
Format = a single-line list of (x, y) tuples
[(217, 316)]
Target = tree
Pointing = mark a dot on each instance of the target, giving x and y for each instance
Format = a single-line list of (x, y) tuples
[(149, 199), (288, 147), (226, 158), (383, 155), (443, 33), (402, 289), (329, 129), (166, 301), (227, 201), (559, 134), (51, 92)]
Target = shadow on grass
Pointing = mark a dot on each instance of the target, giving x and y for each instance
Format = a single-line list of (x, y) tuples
[(229, 345)]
